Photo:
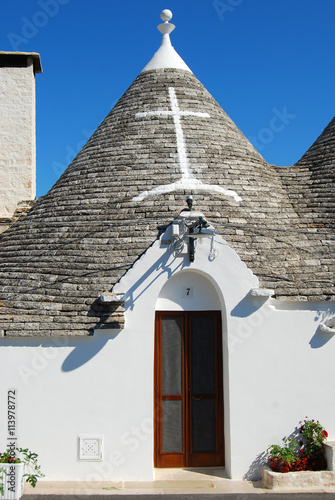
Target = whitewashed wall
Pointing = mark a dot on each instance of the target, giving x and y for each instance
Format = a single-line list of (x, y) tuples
[(281, 370), (278, 368)]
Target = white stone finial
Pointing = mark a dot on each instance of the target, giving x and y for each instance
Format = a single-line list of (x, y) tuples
[(166, 56), (166, 28), (166, 15)]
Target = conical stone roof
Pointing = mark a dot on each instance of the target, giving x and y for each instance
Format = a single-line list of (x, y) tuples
[(321, 155), (310, 184), (165, 138), (318, 166)]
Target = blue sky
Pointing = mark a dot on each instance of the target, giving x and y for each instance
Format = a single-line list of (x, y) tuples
[(269, 63)]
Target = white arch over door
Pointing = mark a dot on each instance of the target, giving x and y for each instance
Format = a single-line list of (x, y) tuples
[(188, 290)]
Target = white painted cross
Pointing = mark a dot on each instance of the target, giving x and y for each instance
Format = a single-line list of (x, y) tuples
[(187, 181)]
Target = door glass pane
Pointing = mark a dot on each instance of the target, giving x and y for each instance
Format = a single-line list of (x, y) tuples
[(203, 425), (203, 355), (172, 426), (172, 356)]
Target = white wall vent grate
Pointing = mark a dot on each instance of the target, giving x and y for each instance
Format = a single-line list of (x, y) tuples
[(90, 448)]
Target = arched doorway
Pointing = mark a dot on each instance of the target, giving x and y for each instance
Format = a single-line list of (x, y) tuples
[(188, 374)]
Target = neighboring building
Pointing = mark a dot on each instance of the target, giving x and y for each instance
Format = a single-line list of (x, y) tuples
[(140, 331), (17, 133)]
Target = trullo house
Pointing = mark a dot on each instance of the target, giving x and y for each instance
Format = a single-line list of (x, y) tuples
[(170, 301)]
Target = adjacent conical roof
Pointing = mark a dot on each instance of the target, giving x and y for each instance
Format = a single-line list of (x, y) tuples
[(166, 138), (321, 155), (311, 182)]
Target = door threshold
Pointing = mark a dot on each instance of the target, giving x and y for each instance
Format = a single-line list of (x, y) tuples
[(190, 474)]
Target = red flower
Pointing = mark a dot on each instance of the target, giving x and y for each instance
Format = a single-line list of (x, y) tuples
[(324, 433)]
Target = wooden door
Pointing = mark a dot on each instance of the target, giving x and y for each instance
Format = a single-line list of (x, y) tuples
[(188, 389)]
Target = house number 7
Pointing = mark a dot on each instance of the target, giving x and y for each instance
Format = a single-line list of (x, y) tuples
[(188, 291)]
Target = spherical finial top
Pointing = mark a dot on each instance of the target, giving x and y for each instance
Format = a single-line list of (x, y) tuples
[(166, 28), (166, 15)]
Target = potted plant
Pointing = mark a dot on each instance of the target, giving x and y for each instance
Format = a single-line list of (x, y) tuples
[(14, 468), (300, 460), (305, 451)]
